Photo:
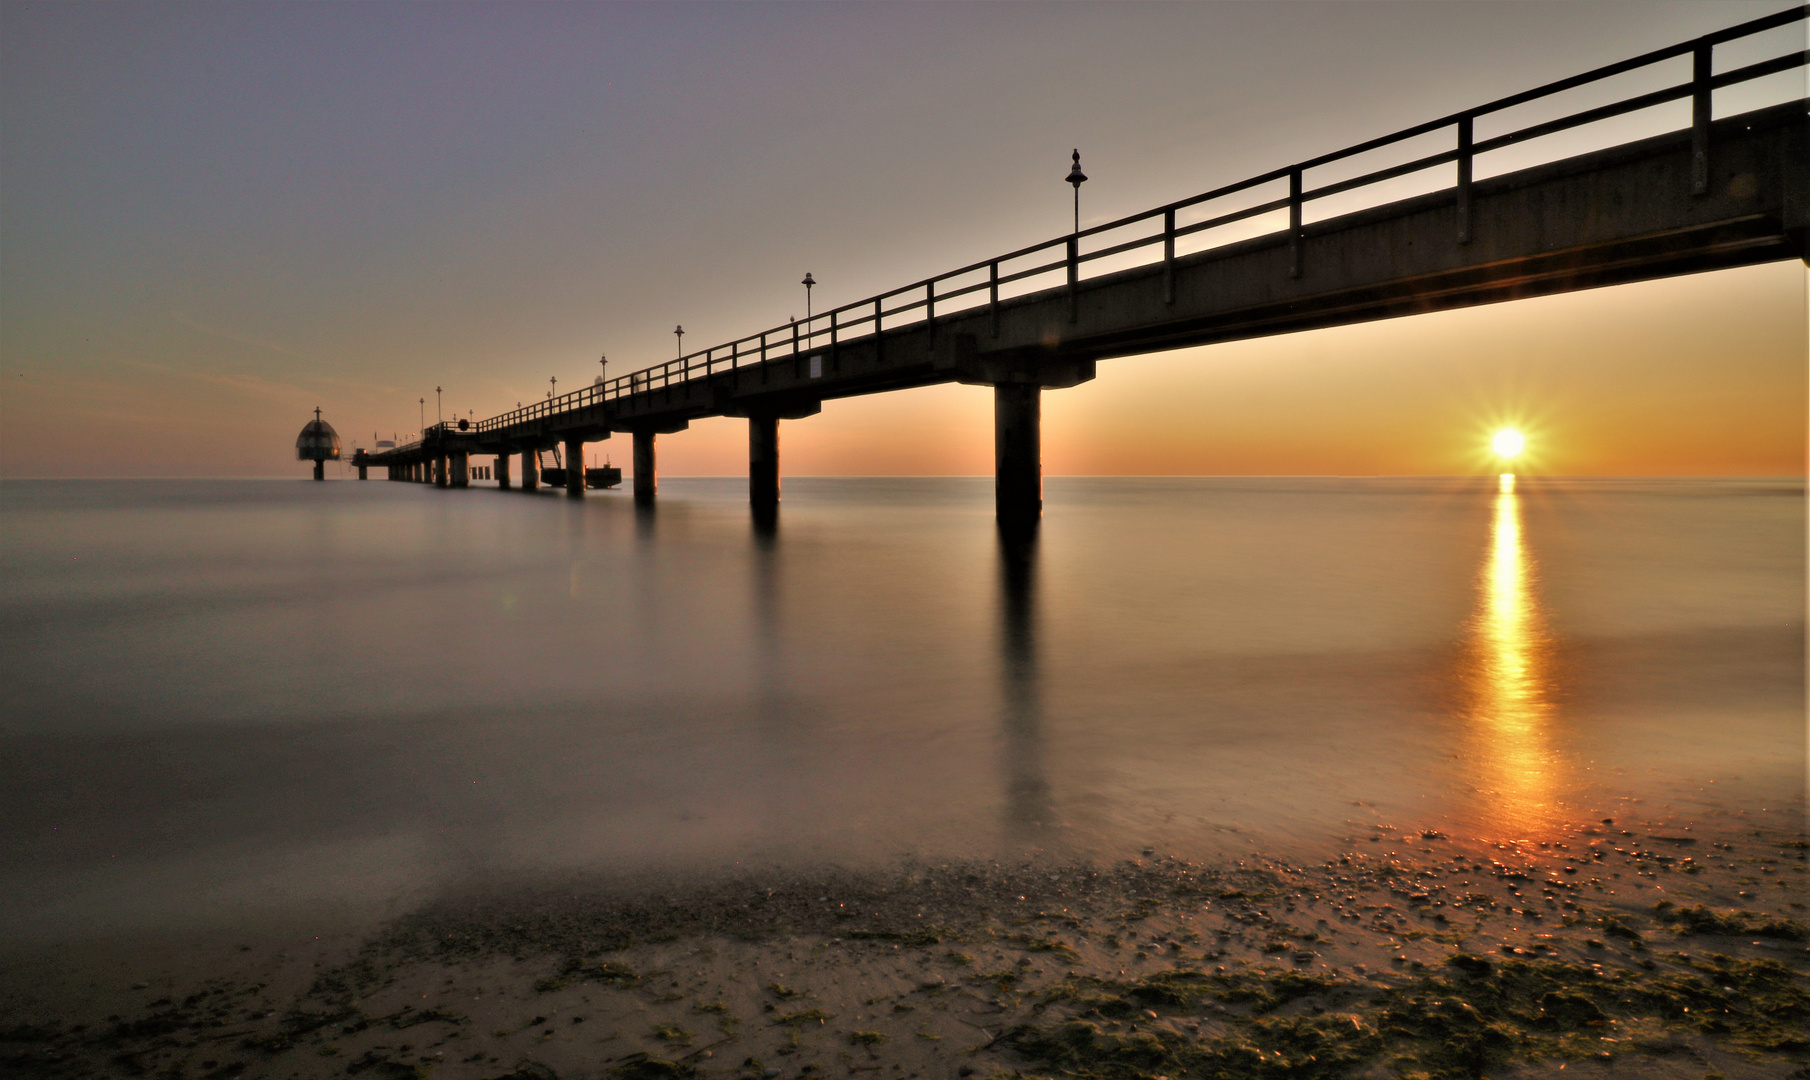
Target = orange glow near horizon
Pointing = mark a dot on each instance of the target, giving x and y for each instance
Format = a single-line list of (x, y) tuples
[(1703, 375)]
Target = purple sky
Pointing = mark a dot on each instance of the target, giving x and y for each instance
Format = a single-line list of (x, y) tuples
[(214, 217)]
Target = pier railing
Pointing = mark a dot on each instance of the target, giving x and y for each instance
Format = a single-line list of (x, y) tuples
[(1274, 202)]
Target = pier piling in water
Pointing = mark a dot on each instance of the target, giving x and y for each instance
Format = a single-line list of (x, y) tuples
[(763, 464), (575, 466), (646, 481), (1017, 455)]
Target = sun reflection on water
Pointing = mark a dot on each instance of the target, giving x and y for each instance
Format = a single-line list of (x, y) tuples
[(1507, 676)]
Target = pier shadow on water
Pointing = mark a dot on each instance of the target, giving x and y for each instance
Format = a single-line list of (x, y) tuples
[(1029, 810)]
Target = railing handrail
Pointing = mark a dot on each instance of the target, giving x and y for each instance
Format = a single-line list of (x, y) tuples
[(872, 310)]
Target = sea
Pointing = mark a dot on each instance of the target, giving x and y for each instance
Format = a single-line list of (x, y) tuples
[(226, 700)]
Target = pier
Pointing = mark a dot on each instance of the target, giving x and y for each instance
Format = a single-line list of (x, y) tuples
[(1291, 249)]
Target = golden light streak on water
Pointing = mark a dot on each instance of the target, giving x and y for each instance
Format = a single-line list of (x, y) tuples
[(1508, 675)]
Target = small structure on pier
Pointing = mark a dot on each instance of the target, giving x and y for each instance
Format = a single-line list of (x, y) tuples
[(318, 443)]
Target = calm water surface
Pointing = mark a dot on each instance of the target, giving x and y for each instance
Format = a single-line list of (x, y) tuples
[(226, 698)]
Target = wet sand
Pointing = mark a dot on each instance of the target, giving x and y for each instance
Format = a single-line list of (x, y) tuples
[(1660, 949)]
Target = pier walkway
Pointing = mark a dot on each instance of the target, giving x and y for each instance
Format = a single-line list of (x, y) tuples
[(1421, 220)]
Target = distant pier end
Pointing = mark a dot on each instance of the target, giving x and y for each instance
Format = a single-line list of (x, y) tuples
[(319, 443)]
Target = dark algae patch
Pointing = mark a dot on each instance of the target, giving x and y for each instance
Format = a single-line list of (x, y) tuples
[(1702, 920), (1470, 1021)]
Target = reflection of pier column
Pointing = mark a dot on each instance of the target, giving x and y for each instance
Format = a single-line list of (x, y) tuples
[(1027, 793)]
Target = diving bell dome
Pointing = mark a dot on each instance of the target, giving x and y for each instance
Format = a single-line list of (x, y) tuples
[(318, 441)]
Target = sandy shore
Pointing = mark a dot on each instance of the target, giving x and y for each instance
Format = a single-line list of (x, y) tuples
[(1626, 950)]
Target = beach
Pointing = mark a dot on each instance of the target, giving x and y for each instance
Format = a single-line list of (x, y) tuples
[(1662, 948)]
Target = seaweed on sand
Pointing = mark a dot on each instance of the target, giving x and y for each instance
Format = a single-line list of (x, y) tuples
[(1469, 1021)]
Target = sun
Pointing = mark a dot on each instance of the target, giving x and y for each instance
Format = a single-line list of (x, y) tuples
[(1508, 443)]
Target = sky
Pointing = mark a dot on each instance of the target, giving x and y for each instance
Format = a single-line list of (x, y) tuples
[(215, 217)]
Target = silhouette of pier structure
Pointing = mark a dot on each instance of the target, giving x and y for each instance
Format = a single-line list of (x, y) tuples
[(1324, 242)]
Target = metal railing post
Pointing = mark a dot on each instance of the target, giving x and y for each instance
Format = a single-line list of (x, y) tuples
[(1700, 115), (993, 294), (835, 354), (930, 311), (1294, 223), (1169, 255), (1464, 180), (877, 302), (1074, 279)]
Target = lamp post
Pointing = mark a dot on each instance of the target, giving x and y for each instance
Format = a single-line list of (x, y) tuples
[(679, 332), (553, 381), (603, 364), (423, 426), (438, 419), (1077, 178), (807, 283)]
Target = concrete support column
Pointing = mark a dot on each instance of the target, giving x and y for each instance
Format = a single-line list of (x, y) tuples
[(440, 470), (646, 481), (530, 469), (502, 471), (763, 464), (575, 467), (320, 469), (361, 472), (1017, 455), (461, 469)]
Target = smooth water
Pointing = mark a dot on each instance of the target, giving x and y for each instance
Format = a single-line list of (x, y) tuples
[(230, 698)]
